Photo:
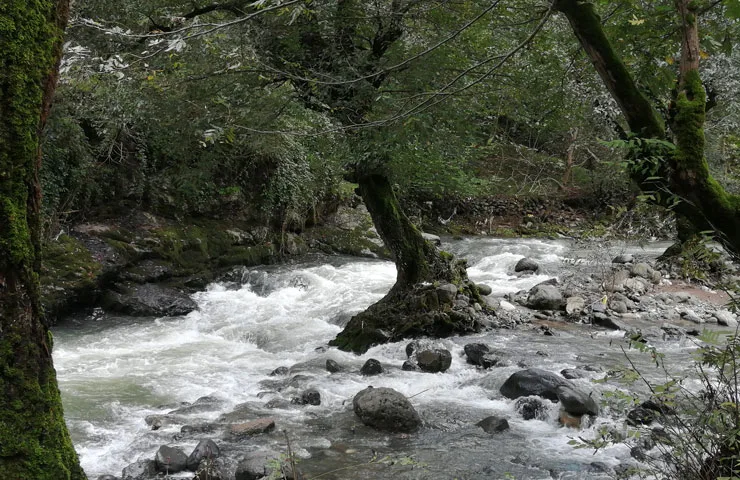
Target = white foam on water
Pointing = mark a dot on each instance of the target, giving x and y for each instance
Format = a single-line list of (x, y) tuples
[(113, 377)]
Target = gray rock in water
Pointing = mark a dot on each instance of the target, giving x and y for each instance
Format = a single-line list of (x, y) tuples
[(531, 408), (572, 373), (624, 258), (691, 316), (108, 477), (434, 361), (386, 409), (604, 320), (310, 397), (409, 366), (280, 371), (332, 366), (726, 318), (148, 300), (526, 264), (204, 450), (575, 401), (371, 367), (493, 424), (545, 297), (532, 381), (170, 460), (141, 470), (480, 354), (483, 289)]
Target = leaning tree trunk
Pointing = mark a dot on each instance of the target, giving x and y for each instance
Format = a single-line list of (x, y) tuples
[(683, 173), (34, 441), (432, 295)]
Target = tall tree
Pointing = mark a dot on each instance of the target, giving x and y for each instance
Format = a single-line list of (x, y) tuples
[(34, 441), (681, 172)]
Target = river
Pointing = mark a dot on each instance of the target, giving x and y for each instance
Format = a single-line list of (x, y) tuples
[(114, 371)]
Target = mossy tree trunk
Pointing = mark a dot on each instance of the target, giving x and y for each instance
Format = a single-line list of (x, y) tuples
[(683, 173), (34, 441), (416, 259)]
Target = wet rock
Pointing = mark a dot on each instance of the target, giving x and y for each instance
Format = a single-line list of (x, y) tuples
[(371, 367), (280, 371), (107, 477), (576, 402), (148, 300), (386, 409), (412, 347), (141, 470), (672, 332), (199, 428), (483, 289), (446, 293), (624, 258), (332, 366), (691, 316), (531, 408), (532, 381), (506, 306), (205, 449), (572, 373), (170, 460), (255, 427), (434, 361), (480, 354), (526, 264), (493, 424), (604, 320), (409, 366), (256, 465), (310, 397), (545, 297), (726, 318), (574, 305)]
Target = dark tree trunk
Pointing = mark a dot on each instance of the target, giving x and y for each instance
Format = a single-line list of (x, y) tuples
[(34, 441), (683, 173), (416, 259), (422, 302)]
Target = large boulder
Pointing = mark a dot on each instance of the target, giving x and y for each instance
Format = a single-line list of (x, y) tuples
[(371, 367), (526, 264), (480, 354), (545, 297), (148, 300), (141, 470), (170, 460), (434, 361), (255, 427), (256, 465), (532, 381), (493, 424), (206, 449), (576, 402), (386, 409)]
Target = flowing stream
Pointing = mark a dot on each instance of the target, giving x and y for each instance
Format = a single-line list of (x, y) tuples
[(114, 371)]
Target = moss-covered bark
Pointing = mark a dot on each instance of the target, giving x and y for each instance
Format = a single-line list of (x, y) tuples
[(684, 173), (416, 259), (34, 441)]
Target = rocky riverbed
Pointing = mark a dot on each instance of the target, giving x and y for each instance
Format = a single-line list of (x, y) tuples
[(244, 384)]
